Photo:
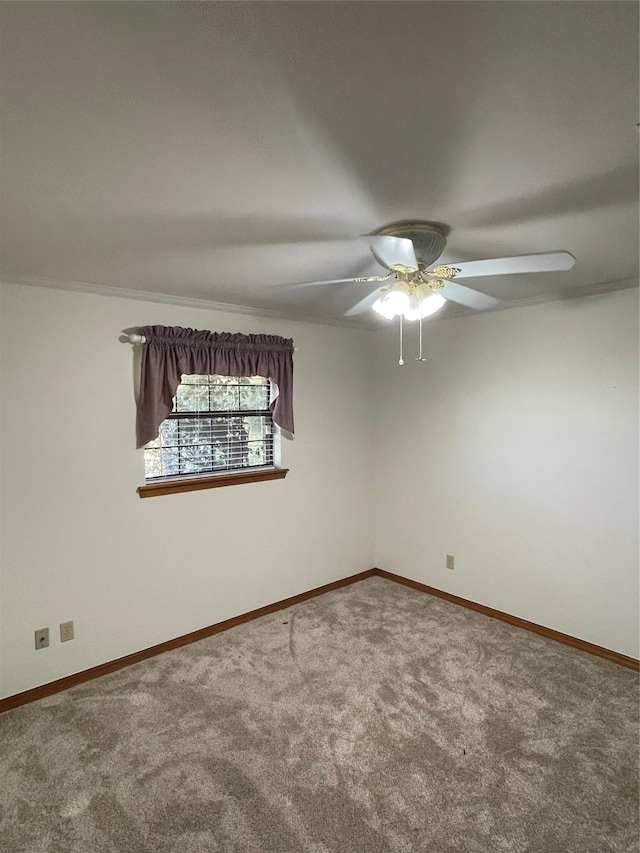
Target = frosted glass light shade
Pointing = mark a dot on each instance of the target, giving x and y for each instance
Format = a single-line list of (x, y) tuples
[(399, 299), (432, 303), (394, 301)]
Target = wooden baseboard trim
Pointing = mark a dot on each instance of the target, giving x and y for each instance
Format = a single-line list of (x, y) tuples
[(558, 636), (76, 678), (111, 666)]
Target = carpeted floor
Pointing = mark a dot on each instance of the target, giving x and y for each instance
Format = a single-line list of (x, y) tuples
[(373, 718)]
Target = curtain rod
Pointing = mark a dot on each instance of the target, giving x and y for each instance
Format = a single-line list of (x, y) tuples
[(140, 339)]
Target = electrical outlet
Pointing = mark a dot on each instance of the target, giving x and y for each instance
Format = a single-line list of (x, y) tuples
[(66, 631), (449, 561), (42, 638)]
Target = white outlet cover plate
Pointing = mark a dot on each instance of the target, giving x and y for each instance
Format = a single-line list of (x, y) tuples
[(66, 631), (42, 638)]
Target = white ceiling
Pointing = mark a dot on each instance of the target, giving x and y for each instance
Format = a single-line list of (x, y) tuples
[(181, 148)]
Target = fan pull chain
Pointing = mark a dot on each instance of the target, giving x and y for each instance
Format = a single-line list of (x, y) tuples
[(420, 356), (401, 361)]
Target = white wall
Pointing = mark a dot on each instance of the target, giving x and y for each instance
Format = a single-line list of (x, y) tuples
[(515, 448), (78, 543)]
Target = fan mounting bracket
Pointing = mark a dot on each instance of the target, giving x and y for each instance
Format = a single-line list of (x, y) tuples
[(428, 238)]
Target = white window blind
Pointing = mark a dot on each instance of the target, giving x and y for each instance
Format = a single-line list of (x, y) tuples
[(218, 423)]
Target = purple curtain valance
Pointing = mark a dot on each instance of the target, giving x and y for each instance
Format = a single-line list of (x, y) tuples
[(171, 351)]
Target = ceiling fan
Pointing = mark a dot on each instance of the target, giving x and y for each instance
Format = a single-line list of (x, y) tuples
[(417, 289)]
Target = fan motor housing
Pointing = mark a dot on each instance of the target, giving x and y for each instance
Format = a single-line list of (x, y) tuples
[(428, 238)]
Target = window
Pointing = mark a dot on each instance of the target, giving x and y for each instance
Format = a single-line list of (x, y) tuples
[(218, 424)]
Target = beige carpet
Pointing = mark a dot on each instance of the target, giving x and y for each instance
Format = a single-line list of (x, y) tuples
[(373, 718)]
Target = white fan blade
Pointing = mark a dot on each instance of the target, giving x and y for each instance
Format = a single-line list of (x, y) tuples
[(320, 283), (466, 296), (360, 280), (544, 262), (364, 305), (393, 250)]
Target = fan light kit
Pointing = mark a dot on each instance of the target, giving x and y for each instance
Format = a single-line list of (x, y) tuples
[(408, 249), (412, 303)]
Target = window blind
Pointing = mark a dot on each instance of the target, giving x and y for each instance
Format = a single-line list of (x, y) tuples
[(217, 423)]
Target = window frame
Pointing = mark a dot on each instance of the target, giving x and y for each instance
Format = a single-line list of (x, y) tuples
[(212, 478), (196, 482)]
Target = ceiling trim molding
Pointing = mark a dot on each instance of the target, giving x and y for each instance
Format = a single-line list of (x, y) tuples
[(597, 289), (173, 299)]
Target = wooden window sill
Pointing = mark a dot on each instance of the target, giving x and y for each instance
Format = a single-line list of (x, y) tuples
[(214, 481)]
